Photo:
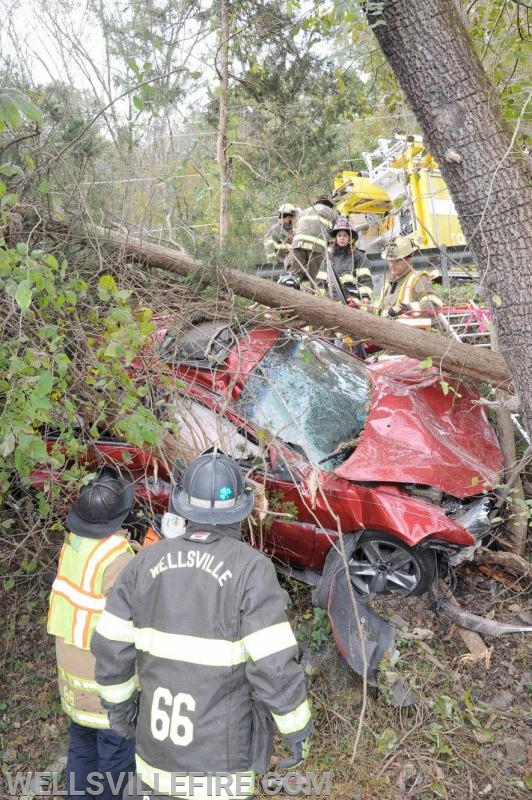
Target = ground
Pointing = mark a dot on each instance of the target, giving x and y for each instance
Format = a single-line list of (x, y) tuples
[(468, 736)]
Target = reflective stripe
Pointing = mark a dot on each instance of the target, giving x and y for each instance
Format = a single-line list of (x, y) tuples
[(112, 627), (98, 555), (80, 628), (77, 596), (306, 237), (295, 720), (190, 649), (118, 692), (238, 785), (269, 640), (84, 717), (85, 684)]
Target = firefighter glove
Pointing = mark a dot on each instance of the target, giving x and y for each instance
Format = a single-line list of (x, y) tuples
[(394, 312), (300, 751), (123, 716)]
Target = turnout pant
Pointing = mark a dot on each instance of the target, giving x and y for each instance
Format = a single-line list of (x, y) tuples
[(91, 750), (304, 264)]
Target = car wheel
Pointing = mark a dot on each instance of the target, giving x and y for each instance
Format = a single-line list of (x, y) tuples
[(383, 564)]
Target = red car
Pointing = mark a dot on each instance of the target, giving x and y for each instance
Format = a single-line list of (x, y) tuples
[(341, 446)]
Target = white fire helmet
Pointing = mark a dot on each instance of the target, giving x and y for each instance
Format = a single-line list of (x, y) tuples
[(399, 247)]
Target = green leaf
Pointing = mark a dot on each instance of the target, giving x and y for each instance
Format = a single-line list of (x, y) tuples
[(29, 566), (475, 481), (27, 108), (426, 364), (7, 444), (444, 387), (8, 584), (10, 170), (387, 740), (496, 299), (23, 294), (138, 102), (43, 186), (439, 789), (45, 385)]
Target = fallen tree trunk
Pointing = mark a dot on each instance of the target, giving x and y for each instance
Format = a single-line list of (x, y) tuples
[(455, 357)]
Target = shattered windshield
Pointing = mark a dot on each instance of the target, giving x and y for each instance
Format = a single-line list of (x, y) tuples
[(310, 395)]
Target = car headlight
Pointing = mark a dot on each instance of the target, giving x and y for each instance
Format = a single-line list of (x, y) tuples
[(475, 517)]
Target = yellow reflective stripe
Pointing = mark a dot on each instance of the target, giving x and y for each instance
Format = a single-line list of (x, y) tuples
[(115, 628), (238, 785), (306, 237), (190, 649), (113, 544), (363, 272), (77, 596), (77, 683), (118, 692), (85, 717), (295, 720), (269, 640)]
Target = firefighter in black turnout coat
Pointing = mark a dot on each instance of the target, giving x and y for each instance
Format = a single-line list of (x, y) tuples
[(201, 617)]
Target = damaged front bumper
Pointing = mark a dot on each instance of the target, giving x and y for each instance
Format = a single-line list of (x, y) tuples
[(474, 518)]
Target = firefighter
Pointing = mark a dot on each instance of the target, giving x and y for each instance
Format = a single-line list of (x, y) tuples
[(349, 264), (406, 291), (201, 618), (279, 237), (94, 553), (310, 241)]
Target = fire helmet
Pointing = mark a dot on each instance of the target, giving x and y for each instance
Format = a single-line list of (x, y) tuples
[(343, 224), (287, 208), (322, 199), (213, 491), (287, 279), (102, 506), (399, 247)]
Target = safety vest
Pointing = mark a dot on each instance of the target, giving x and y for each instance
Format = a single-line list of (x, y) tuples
[(76, 601)]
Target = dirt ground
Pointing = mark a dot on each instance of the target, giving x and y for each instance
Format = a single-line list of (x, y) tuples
[(468, 737)]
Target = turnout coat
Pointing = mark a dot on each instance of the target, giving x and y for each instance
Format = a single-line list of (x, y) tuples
[(202, 619)]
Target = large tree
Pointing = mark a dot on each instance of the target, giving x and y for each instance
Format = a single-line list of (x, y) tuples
[(432, 55)]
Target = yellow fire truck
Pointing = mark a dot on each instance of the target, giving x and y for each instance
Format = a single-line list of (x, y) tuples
[(402, 191)]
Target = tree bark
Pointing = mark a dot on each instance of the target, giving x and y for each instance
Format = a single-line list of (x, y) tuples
[(460, 359), (459, 112), (221, 147)]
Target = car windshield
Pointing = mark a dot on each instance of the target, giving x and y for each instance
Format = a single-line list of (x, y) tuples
[(311, 395)]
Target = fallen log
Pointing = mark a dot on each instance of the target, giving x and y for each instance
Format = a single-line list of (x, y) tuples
[(509, 562), (454, 357), (448, 605)]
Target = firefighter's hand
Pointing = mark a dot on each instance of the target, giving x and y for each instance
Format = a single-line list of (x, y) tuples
[(123, 716), (299, 753)]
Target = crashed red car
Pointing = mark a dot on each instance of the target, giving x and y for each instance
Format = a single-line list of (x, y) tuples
[(341, 446), (387, 450)]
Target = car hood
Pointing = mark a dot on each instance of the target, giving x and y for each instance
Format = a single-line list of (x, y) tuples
[(424, 429)]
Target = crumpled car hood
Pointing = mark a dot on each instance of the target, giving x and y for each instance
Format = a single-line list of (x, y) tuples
[(415, 433)]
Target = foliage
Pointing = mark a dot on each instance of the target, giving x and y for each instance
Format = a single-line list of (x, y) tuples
[(64, 350)]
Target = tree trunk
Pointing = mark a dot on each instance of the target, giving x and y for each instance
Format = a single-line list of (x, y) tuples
[(459, 112), (222, 69), (454, 357)]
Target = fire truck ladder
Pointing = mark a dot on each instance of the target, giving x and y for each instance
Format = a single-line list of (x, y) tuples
[(472, 325)]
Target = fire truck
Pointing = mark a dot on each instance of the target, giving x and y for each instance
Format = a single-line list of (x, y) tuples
[(402, 191)]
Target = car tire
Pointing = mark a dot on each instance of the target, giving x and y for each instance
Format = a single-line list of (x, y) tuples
[(383, 564)]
